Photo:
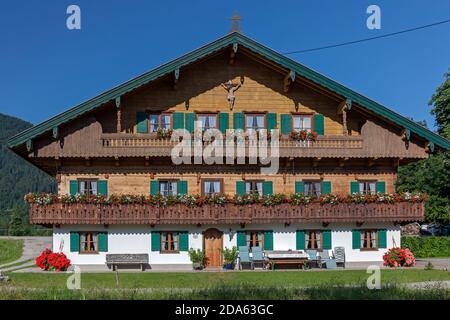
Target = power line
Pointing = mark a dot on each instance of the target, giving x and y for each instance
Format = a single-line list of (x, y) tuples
[(369, 39)]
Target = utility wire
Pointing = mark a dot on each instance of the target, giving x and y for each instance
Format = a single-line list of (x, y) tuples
[(369, 39)]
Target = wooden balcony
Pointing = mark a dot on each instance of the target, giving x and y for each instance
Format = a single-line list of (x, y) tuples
[(115, 144), (226, 214)]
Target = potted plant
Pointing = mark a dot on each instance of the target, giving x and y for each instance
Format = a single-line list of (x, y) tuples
[(197, 258), (229, 257)]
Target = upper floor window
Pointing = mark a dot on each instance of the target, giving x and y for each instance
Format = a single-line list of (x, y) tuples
[(255, 239), (170, 242), (207, 121), (255, 121), (367, 187), (88, 242), (313, 188), (254, 187), (369, 239), (211, 187), (168, 188), (313, 239), (302, 122), (87, 187), (160, 120)]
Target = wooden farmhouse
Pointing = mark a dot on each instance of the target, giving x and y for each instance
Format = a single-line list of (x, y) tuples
[(120, 190)]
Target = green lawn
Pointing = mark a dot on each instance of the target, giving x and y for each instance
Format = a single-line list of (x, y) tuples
[(229, 279), (10, 250)]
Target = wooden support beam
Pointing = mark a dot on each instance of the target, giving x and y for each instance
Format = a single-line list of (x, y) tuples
[(288, 79), (87, 161), (342, 162), (29, 145), (147, 161), (371, 162), (406, 134), (315, 161), (395, 162), (429, 147), (117, 161), (176, 77)]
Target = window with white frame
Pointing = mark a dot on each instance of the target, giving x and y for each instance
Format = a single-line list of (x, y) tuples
[(301, 122)]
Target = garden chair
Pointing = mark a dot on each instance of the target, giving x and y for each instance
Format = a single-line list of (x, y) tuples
[(258, 257), (312, 257), (339, 255), (244, 258), (326, 260)]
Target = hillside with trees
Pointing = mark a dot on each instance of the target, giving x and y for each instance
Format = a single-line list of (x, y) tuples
[(17, 177)]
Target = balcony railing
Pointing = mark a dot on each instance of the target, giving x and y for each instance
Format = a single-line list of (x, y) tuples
[(226, 214)]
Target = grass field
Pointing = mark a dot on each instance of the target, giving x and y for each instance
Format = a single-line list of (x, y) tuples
[(347, 284), (10, 250)]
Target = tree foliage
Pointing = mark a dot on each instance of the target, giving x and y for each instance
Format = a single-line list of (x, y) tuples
[(440, 103)]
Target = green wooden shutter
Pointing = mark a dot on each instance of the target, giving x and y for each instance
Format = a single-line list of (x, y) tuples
[(241, 241), (154, 187), (182, 187), (318, 124), (299, 187), (271, 119), (354, 187), (356, 239), (326, 239), (156, 241), (73, 187), (190, 121), (326, 187), (300, 240), (286, 123), (102, 187), (141, 122), (267, 188), (238, 120), (382, 238), (178, 120), (381, 186), (240, 188), (268, 240), (103, 242), (184, 241), (74, 242), (223, 121)]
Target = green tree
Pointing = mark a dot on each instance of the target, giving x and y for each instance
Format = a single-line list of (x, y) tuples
[(440, 103), (16, 225)]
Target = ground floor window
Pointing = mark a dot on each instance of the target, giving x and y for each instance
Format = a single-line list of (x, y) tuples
[(88, 242), (369, 239), (170, 242), (255, 239), (313, 239)]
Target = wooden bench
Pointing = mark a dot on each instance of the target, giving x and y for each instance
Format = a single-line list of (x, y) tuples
[(298, 262), (116, 259), (288, 257)]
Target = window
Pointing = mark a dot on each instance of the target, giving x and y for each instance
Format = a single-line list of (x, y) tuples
[(369, 239), (301, 122), (255, 239), (254, 187), (168, 188), (367, 187), (211, 187), (160, 120), (313, 188), (255, 121), (313, 240), (206, 121), (170, 242), (88, 242), (87, 187)]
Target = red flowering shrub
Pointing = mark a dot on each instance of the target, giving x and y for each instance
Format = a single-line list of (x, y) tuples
[(49, 260), (399, 257)]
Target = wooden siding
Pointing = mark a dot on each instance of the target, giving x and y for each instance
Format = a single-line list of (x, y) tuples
[(200, 85)]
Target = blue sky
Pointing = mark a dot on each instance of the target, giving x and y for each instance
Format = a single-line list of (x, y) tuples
[(46, 68)]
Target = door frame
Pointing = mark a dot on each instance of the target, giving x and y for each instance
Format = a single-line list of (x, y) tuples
[(221, 245)]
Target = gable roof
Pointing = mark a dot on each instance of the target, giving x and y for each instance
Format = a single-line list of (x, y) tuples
[(230, 39)]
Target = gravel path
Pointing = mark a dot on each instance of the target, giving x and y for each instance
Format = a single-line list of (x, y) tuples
[(32, 247)]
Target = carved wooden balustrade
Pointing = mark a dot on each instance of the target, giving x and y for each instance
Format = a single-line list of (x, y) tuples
[(121, 144), (226, 214)]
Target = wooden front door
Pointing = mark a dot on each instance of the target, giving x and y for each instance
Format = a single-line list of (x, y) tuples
[(213, 247)]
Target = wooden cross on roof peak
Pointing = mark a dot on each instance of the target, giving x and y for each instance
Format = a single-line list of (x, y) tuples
[(235, 23)]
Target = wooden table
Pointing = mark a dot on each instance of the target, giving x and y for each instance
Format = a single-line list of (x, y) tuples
[(297, 258)]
